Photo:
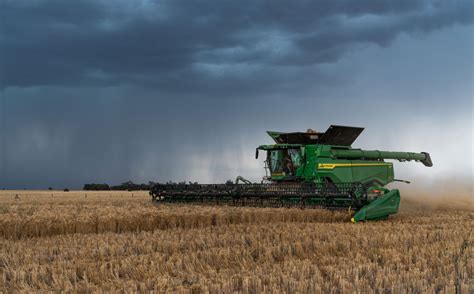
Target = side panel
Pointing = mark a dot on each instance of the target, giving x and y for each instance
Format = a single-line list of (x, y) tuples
[(339, 171), (320, 165), (343, 171), (368, 171)]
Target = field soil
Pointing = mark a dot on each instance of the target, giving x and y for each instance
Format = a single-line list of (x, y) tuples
[(119, 241)]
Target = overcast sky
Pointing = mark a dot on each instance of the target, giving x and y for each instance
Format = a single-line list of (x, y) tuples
[(107, 91)]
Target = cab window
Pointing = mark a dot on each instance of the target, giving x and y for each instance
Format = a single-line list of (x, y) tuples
[(284, 161)]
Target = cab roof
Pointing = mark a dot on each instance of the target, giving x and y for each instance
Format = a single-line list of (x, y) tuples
[(334, 135)]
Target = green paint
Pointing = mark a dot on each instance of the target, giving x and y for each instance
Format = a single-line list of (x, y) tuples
[(307, 157), (379, 208)]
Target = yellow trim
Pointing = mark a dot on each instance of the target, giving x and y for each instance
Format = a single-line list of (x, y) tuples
[(278, 175), (334, 165)]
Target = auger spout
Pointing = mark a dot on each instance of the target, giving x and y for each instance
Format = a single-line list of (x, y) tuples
[(423, 157)]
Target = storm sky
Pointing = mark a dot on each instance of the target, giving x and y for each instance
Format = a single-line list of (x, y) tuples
[(110, 91)]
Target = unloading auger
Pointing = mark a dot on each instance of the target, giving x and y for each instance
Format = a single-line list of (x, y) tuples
[(309, 169)]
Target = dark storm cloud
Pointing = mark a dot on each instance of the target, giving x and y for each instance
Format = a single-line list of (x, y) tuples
[(109, 91), (176, 45), (70, 137)]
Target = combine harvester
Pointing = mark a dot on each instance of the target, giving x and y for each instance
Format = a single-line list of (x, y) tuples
[(309, 170)]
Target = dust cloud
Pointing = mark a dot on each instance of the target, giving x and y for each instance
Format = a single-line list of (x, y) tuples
[(447, 194)]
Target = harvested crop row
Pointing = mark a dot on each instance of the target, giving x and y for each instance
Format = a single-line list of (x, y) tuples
[(49, 220), (281, 257), (135, 246)]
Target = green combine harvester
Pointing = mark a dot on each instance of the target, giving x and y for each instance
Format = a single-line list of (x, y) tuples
[(309, 170)]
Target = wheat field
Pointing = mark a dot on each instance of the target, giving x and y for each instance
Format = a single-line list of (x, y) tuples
[(119, 241)]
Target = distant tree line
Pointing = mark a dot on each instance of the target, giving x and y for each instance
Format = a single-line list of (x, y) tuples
[(127, 186)]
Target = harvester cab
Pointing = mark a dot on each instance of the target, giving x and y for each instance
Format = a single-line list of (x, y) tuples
[(310, 169), (286, 160)]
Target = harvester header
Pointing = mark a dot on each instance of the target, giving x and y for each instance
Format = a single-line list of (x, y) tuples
[(310, 169)]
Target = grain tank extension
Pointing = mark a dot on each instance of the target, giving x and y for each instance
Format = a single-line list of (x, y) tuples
[(309, 169)]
